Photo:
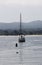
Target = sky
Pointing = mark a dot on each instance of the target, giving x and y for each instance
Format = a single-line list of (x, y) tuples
[(30, 10)]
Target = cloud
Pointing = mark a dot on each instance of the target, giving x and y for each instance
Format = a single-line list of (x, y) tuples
[(22, 2), (11, 11)]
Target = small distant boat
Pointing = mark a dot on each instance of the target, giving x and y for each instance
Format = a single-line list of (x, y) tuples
[(21, 37)]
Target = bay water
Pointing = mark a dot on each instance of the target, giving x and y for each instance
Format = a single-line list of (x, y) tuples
[(29, 52)]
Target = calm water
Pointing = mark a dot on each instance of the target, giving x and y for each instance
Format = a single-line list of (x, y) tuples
[(30, 52)]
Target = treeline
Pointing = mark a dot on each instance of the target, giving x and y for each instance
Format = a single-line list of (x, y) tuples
[(25, 32)]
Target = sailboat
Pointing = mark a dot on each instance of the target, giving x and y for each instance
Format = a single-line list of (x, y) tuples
[(21, 37)]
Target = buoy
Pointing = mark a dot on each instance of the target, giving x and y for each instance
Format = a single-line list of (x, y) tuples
[(17, 52), (16, 45)]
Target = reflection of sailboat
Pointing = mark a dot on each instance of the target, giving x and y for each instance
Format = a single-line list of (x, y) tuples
[(21, 38)]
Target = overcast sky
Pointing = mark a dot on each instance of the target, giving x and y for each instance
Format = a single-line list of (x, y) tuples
[(30, 9)]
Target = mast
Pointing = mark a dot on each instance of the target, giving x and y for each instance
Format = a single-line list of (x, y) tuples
[(20, 25), (21, 39)]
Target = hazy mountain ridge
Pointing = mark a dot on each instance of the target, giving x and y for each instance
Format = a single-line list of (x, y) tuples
[(16, 25)]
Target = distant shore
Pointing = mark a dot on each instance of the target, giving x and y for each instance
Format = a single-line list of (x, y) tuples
[(19, 35)]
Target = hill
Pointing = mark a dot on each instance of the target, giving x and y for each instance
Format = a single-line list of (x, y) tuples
[(16, 25)]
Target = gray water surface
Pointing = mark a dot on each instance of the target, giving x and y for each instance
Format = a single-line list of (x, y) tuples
[(29, 53)]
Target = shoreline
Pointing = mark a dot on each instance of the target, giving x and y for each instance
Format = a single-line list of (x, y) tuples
[(19, 35)]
